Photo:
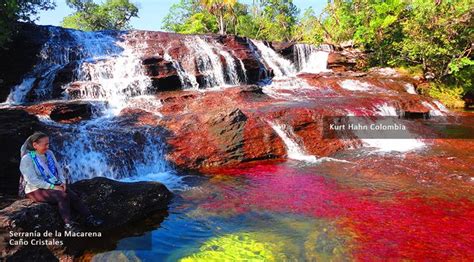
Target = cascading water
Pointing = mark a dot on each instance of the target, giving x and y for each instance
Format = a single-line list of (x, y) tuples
[(112, 67), (355, 85), (188, 81), (410, 88), (433, 110), (280, 66), (209, 63), (104, 147), (310, 59), (293, 149), (38, 84)]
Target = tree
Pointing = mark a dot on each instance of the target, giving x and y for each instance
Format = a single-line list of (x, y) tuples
[(19, 10), (188, 17), (191, 17), (309, 29), (89, 16), (439, 36), (220, 9), (275, 19)]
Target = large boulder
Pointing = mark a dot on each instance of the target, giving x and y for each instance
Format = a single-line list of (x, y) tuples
[(117, 203)]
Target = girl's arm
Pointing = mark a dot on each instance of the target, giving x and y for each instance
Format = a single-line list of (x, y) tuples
[(62, 177), (28, 171)]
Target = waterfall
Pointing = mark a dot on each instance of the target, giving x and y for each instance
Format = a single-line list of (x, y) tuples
[(112, 68), (386, 110), (188, 81), (209, 64), (310, 59), (294, 151), (292, 89), (280, 66), (103, 147), (435, 111), (54, 55), (106, 68)]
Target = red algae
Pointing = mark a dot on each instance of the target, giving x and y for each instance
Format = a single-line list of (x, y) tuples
[(402, 226)]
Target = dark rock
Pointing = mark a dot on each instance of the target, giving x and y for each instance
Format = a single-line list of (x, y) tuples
[(240, 48), (117, 203), (16, 126), (227, 129), (286, 49), (162, 73), (339, 62), (468, 98), (71, 112), (64, 76)]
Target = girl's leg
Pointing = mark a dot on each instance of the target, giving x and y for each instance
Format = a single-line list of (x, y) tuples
[(54, 197), (78, 204)]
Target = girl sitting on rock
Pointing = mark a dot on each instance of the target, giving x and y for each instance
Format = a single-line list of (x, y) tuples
[(44, 181)]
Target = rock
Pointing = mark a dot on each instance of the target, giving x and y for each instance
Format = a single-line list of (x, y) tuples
[(286, 49), (338, 62), (17, 125), (71, 112), (227, 127), (163, 74), (62, 111), (240, 48), (468, 98), (117, 203)]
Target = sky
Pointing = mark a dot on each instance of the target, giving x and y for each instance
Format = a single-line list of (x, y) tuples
[(151, 12)]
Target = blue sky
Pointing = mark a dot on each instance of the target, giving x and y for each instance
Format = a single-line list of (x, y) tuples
[(151, 12)]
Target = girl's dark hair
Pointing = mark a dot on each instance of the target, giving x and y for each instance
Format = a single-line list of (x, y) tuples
[(34, 138)]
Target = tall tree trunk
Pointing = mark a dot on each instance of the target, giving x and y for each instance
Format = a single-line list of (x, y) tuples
[(221, 24)]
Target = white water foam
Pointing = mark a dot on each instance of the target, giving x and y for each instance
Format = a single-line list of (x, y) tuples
[(209, 64), (410, 88), (441, 107), (188, 81), (310, 59), (433, 110), (118, 72), (280, 66), (294, 151), (355, 85)]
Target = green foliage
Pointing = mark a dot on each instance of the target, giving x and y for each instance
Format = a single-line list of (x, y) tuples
[(267, 19), (19, 10), (450, 96), (438, 36), (309, 29), (223, 10), (276, 20), (434, 35), (89, 16)]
